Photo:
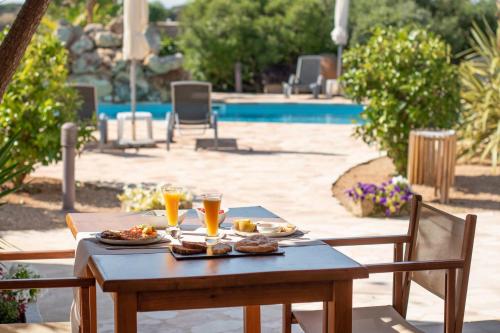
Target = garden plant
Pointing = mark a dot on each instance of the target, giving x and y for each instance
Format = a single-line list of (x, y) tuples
[(13, 303), (389, 198), (406, 80), (9, 171), (219, 33), (36, 104), (480, 79)]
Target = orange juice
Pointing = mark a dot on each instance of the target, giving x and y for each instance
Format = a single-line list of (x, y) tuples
[(212, 206), (172, 199)]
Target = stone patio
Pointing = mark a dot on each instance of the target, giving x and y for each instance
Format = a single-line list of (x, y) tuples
[(288, 168)]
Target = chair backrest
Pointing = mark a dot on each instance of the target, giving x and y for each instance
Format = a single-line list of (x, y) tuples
[(308, 69), (191, 101), (89, 101), (437, 235)]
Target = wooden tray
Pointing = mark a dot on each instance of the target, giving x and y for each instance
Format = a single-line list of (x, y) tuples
[(232, 254)]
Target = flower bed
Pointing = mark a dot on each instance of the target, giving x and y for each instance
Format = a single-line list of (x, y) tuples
[(140, 198), (390, 198)]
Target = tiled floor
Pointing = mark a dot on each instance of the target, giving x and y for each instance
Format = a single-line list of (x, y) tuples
[(289, 169)]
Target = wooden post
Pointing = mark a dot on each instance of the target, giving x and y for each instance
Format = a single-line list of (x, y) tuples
[(68, 144), (237, 78), (90, 10)]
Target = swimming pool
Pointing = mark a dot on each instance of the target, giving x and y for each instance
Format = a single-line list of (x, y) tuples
[(259, 112)]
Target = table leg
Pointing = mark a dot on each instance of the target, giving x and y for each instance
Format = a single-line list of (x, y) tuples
[(125, 312), (251, 319), (287, 318), (339, 310), (93, 304)]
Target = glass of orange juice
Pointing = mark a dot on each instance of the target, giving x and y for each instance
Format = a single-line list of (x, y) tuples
[(211, 203), (172, 196)]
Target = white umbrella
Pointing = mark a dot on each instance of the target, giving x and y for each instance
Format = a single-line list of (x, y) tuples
[(135, 44), (339, 33)]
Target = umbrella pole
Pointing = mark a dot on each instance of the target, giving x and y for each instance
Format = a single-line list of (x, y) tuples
[(339, 61), (133, 95)]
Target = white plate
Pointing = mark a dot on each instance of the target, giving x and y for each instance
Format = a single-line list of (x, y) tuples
[(145, 241), (268, 234)]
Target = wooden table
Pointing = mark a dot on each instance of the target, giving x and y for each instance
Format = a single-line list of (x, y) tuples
[(158, 282)]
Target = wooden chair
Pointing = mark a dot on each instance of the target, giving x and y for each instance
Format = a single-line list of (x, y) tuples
[(437, 256), (86, 286)]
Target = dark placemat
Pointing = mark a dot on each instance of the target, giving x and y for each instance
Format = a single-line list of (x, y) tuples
[(232, 254)]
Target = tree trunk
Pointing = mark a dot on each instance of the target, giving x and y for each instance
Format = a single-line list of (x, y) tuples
[(19, 36), (90, 10)]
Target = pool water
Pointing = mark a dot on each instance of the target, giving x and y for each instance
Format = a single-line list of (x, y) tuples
[(259, 112)]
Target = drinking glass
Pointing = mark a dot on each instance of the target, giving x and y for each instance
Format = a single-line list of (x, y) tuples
[(211, 203), (172, 197)]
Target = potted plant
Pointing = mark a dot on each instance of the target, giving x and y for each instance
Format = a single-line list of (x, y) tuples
[(389, 199), (13, 303)]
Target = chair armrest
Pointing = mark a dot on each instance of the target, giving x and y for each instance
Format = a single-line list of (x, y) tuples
[(371, 240), (410, 266), (69, 282), (292, 80), (36, 255)]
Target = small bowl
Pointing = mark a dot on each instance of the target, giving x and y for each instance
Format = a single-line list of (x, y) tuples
[(268, 227), (201, 215)]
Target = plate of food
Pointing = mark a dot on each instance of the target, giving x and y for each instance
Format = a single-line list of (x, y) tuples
[(141, 234), (246, 227), (255, 245)]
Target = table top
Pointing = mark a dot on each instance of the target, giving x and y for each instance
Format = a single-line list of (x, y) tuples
[(94, 222), (161, 271)]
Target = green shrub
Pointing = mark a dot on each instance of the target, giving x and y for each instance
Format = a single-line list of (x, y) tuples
[(452, 20), (168, 46), (158, 12), (36, 104), (219, 33), (75, 11), (407, 81), (480, 79), (9, 171)]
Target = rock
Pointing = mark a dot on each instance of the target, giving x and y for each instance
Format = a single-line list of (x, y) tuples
[(154, 39), (107, 39), (64, 32), (93, 28), (122, 87), (116, 25), (162, 65), (119, 66), (107, 56), (103, 84), (87, 62), (81, 45)]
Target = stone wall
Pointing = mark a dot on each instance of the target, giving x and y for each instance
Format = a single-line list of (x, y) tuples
[(95, 57)]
